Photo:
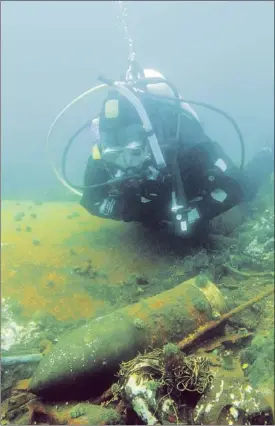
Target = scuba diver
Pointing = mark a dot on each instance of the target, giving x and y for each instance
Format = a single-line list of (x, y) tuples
[(152, 162)]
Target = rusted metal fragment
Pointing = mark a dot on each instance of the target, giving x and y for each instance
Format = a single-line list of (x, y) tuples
[(230, 338)]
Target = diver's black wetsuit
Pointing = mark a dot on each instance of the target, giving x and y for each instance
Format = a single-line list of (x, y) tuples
[(204, 169)]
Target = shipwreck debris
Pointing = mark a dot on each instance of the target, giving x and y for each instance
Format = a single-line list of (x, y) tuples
[(155, 383), (160, 383), (231, 401), (190, 340)]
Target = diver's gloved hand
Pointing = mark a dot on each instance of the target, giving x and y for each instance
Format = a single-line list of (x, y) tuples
[(130, 201), (109, 208), (124, 205), (185, 220)]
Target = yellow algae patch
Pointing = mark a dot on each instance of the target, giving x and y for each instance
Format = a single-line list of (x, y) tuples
[(41, 251), (86, 306), (67, 307), (53, 280), (43, 243), (53, 237), (118, 248), (39, 289), (77, 306)]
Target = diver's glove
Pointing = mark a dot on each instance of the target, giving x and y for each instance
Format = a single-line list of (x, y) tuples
[(122, 205), (185, 220), (109, 208), (130, 200)]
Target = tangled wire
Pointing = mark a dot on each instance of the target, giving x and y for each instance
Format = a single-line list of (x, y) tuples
[(174, 374), (190, 374), (149, 366)]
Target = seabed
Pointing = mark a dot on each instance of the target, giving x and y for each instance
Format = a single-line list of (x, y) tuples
[(60, 266)]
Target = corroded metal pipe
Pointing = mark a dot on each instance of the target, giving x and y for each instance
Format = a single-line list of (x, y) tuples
[(8, 361), (83, 363)]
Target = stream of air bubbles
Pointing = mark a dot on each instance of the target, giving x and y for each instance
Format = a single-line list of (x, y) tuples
[(122, 19)]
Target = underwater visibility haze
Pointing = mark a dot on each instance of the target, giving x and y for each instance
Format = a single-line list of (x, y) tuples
[(148, 299)]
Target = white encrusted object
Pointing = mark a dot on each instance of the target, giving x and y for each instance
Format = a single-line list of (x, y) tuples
[(142, 397), (11, 332)]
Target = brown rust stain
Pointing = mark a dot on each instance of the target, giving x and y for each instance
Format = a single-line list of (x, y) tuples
[(156, 304), (22, 385), (159, 335)]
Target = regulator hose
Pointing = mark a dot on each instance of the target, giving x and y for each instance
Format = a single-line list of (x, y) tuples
[(178, 99), (204, 105), (57, 118), (64, 162), (230, 119)]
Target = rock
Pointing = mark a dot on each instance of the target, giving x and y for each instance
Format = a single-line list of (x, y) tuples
[(260, 358), (246, 319), (97, 415), (73, 215), (19, 216), (16, 407), (79, 414), (232, 401), (228, 221)]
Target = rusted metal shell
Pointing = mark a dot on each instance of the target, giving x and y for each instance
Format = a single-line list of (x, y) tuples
[(83, 363)]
